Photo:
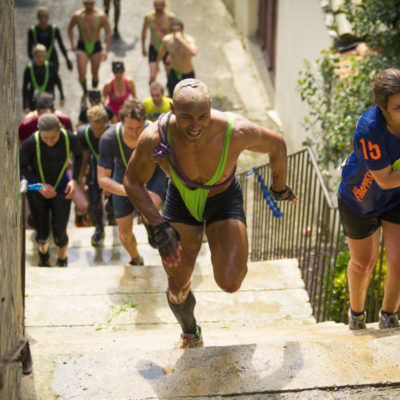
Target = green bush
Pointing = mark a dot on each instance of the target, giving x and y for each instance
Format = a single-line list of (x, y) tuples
[(337, 98)]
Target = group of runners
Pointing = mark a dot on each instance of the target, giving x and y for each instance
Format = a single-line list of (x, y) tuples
[(122, 152)]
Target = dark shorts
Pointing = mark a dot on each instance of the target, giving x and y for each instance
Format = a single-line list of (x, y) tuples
[(153, 53), (173, 80), (157, 184), (225, 205), (356, 227), (97, 47)]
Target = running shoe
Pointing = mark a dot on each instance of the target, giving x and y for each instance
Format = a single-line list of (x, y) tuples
[(62, 263), (135, 261), (98, 236), (388, 320), (357, 322), (44, 259), (191, 340)]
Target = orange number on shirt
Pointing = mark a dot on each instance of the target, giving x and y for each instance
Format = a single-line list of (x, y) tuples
[(373, 150)]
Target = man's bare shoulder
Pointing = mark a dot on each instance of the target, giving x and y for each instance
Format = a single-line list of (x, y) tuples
[(77, 14), (150, 137)]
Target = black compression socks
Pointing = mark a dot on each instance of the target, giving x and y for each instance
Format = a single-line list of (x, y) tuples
[(356, 314), (184, 313), (84, 87), (94, 84)]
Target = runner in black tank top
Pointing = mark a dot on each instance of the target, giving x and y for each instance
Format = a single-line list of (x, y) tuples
[(43, 159)]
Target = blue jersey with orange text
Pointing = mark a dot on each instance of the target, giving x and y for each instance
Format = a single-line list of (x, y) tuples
[(374, 148)]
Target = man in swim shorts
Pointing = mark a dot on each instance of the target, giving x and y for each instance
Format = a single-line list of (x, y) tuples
[(158, 22), (90, 21), (198, 147), (181, 48)]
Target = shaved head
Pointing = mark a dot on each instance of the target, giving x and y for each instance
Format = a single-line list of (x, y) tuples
[(191, 91)]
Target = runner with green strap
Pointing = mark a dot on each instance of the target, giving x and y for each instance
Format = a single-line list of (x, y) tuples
[(42, 88), (39, 160), (96, 156), (89, 45), (154, 36), (195, 199), (53, 35), (118, 130)]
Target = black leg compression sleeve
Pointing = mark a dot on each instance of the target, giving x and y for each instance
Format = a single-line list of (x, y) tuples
[(84, 86), (95, 84), (184, 313), (116, 13), (95, 211)]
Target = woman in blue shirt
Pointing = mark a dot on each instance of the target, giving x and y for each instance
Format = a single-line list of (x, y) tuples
[(369, 201)]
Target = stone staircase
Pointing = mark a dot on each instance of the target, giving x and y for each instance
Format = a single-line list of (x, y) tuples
[(99, 330)]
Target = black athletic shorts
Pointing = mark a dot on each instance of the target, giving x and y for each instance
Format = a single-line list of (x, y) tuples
[(225, 205), (153, 53), (356, 227), (97, 47), (173, 80), (157, 184)]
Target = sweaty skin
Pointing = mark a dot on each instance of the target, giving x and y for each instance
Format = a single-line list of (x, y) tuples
[(198, 133)]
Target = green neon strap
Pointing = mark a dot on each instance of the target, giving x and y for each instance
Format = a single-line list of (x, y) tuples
[(42, 88), (178, 72), (153, 31), (53, 35), (39, 159), (118, 129), (89, 45), (195, 199), (96, 156)]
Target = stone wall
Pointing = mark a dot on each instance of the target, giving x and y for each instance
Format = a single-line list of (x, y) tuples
[(11, 309)]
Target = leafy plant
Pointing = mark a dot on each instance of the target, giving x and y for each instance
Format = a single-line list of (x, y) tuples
[(337, 87)]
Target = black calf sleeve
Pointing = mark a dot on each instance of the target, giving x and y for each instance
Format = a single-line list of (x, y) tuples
[(94, 84), (95, 211), (184, 313)]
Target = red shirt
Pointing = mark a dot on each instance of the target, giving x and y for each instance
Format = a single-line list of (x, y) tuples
[(29, 125)]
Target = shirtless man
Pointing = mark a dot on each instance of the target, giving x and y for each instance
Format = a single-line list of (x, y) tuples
[(159, 22), (90, 21), (181, 48), (204, 146)]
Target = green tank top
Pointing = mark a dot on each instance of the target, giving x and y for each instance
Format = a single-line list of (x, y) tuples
[(89, 45), (53, 35), (39, 89), (96, 156), (195, 199)]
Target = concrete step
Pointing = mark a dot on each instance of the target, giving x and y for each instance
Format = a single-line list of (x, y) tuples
[(124, 365), (82, 254), (94, 296)]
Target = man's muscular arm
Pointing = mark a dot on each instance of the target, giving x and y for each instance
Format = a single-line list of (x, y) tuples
[(107, 28), (72, 23), (145, 27), (140, 169), (261, 140)]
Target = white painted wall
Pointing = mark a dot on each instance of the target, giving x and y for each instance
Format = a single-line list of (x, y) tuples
[(301, 33), (246, 16)]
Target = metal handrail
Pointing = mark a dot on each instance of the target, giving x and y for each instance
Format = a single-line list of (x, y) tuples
[(309, 231)]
